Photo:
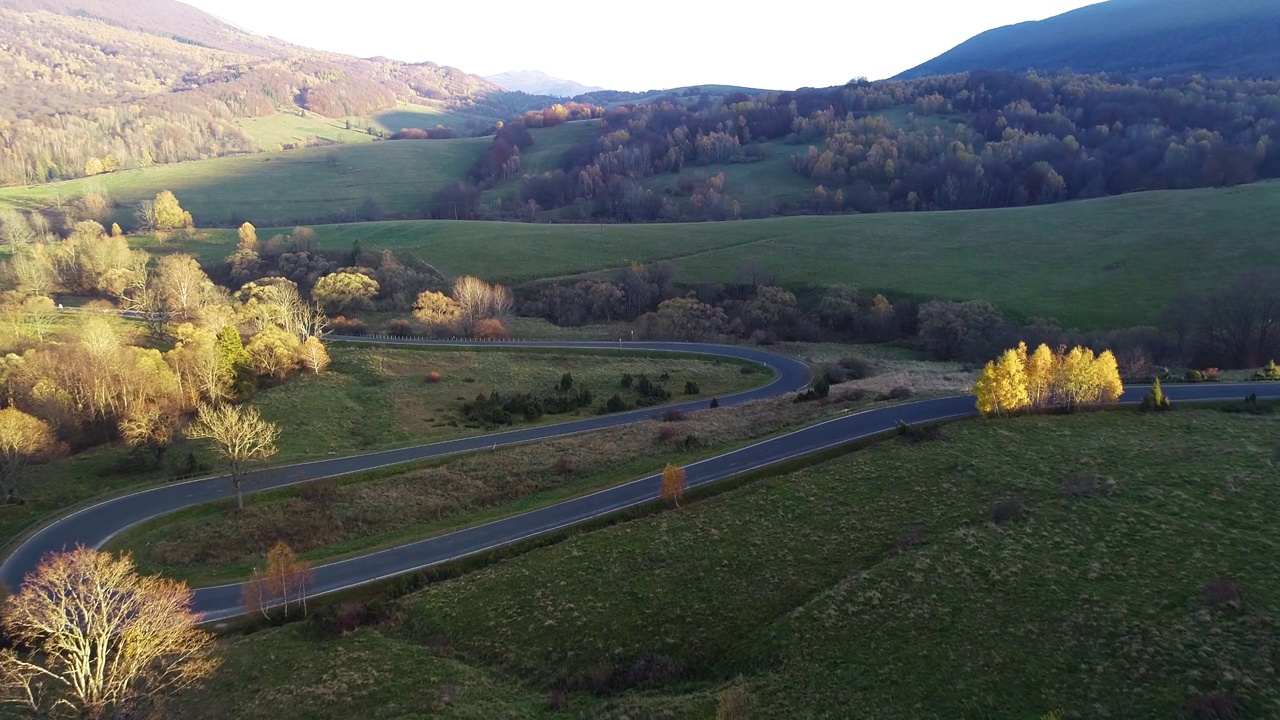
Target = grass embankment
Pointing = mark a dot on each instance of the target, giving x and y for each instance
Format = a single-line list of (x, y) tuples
[(1096, 264), (874, 584), (372, 398)]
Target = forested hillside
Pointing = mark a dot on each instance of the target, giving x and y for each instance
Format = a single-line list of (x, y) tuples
[(973, 140), (94, 86), (1141, 38)]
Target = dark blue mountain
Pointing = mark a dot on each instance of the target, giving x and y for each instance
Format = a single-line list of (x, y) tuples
[(1140, 38)]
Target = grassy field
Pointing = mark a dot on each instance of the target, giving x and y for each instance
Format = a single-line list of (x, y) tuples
[(273, 132), (425, 117), (323, 184), (1102, 263), (549, 147), (756, 185), (375, 398), (1133, 577)]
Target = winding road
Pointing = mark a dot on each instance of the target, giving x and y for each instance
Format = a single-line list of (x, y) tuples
[(95, 525)]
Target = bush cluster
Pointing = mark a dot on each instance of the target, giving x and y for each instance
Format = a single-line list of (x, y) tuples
[(819, 390), (497, 409)]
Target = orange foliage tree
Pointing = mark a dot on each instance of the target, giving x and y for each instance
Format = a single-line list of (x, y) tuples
[(673, 480), (283, 583)]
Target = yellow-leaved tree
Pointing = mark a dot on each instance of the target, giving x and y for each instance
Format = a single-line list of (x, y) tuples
[(1041, 366), (1107, 374), (1002, 387), (1074, 382), (1018, 379)]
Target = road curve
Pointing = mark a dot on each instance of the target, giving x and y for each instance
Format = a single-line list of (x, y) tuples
[(94, 526)]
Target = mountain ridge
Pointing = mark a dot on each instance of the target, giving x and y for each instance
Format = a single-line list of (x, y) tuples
[(1131, 37), (536, 82)]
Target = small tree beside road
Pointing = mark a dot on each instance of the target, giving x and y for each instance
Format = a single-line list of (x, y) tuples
[(673, 480), (283, 583), (239, 435)]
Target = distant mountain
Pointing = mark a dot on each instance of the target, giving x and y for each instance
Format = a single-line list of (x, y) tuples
[(540, 83), (1145, 38)]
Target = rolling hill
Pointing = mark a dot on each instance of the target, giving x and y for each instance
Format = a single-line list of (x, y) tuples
[(1099, 264), (540, 83), (1145, 38), (96, 86)]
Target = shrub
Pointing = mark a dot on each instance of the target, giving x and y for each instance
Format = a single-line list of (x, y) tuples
[(852, 395), (899, 392), (615, 404), (649, 671), (913, 538), (566, 382), (1212, 374), (627, 381), (819, 390), (691, 388), (1084, 486), (735, 704), (1270, 372), (673, 415), (1214, 706), (747, 370), (833, 374), (1193, 376), (319, 492), (1221, 593), (715, 403), (664, 377), (491, 329), (400, 326), (667, 433), (336, 620), (563, 465), (1155, 400), (855, 368), (557, 700), (690, 442), (1007, 511), (432, 377), (343, 325), (919, 433)]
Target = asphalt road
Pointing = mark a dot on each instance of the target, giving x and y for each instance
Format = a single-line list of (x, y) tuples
[(95, 525)]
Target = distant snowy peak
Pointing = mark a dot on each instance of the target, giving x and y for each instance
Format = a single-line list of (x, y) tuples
[(540, 83)]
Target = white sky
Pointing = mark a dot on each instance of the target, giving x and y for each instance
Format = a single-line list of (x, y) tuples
[(643, 45)]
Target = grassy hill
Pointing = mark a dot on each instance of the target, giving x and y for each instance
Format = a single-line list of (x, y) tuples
[(312, 185), (882, 584), (1137, 37), (1104, 263)]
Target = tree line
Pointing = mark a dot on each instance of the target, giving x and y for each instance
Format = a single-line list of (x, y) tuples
[(975, 140), (70, 382)]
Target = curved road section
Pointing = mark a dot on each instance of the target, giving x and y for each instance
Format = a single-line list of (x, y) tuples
[(95, 525)]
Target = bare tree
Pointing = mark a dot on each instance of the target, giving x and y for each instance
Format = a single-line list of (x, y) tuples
[(239, 435), (145, 214), (314, 355), (89, 638), (181, 285)]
